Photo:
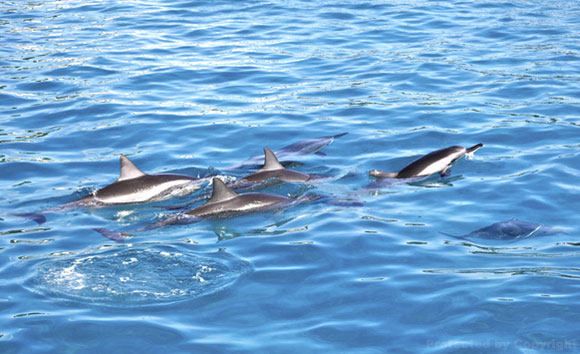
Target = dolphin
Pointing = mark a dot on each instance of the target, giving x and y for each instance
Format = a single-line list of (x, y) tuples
[(273, 169), (224, 203), (133, 186), (308, 146), (512, 230), (303, 147), (439, 161)]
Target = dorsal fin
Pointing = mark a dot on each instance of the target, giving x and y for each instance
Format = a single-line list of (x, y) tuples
[(129, 170), (271, 161), (221, 192)]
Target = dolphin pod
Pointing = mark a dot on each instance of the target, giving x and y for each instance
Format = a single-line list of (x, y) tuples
[(134, 186), (224, 203)]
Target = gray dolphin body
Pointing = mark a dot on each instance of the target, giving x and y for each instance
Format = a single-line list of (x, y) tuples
[(303, 147), (439, 161), (133, 186), (224, 202), (512, 230), (273, 169)]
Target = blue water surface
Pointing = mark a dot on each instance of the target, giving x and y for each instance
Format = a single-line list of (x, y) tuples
[(194, 87)]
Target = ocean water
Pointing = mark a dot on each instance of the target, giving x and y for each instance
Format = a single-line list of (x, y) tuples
[(193, 87)]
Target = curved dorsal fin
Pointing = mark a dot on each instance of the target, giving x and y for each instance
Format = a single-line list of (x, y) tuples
[(271, 161), (129, 170), (221, 192)]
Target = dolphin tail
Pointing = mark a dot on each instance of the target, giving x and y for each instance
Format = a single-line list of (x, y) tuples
[(383, 174), (38, 218), (120, 237), (116, 236), (474, 148)]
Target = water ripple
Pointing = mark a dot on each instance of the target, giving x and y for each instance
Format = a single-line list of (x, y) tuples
[(137, 276), (569, 273), (197, 86)]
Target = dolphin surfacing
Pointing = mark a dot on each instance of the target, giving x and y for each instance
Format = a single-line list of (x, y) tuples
[(133, 186), (224, 202), (274, 169), (439, 161)]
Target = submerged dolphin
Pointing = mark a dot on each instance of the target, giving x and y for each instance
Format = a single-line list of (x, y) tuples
[(512, 230), (439, 161), (224, 203), (303, 147), (133, 186)]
